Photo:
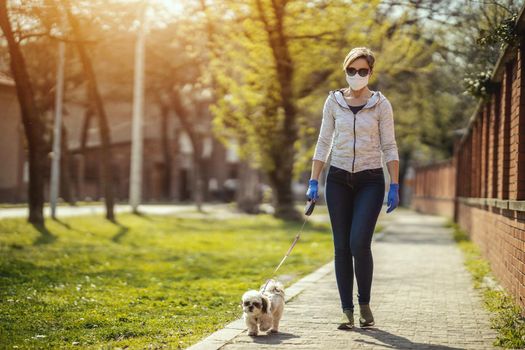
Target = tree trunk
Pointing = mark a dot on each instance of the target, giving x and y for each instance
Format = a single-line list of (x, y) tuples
[(96, 99), (284, 158), (198, 188), (248, 195), (65, 171), (84, 136), (88, 113), (283, 201), (166, 151), (31, 119), (183, 115)]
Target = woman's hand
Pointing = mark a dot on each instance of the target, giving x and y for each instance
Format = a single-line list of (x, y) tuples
[(312, 190), (393, 197)]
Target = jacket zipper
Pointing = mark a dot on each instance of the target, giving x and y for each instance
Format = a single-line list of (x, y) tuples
[(353, 160)]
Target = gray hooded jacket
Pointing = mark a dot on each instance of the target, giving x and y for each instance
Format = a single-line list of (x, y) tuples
[(356, 140)]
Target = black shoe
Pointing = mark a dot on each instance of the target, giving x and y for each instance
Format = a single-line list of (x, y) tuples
[(347, 320), (366, 319)]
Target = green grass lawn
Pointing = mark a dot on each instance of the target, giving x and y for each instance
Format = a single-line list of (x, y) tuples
[(147, 282)]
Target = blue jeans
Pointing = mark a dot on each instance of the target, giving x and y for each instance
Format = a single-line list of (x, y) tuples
[(354, 201)]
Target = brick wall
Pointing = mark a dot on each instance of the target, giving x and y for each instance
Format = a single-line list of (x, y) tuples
[(434, 188), (483, 186)]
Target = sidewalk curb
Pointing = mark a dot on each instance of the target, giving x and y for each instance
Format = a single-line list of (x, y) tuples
[(221, 337)]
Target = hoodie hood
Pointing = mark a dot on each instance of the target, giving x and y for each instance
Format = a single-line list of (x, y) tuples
[(337, 95)]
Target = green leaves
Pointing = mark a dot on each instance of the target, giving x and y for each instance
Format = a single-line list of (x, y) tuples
[(504, 33)]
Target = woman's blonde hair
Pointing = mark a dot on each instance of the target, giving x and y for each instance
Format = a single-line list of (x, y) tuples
[(358, 52)]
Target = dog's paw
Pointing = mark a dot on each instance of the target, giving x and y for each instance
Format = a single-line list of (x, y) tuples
[(252, 333), (274, 331)]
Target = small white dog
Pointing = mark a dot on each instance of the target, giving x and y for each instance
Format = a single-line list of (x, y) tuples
[(263, 311)]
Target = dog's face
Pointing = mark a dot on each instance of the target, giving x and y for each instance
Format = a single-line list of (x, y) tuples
[(254, 303)]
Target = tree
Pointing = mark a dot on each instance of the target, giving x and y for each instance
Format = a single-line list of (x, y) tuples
[(175, 64), (31, 118), (95, 97), (278, 59)]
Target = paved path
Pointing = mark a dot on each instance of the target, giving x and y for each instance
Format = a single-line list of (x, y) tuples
[(223, 211), (422, 298), (220, 210)]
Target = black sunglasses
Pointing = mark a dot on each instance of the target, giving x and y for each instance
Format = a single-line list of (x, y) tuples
[(362, 72)]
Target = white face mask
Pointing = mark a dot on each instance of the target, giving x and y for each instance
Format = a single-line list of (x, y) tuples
[(357, 82)]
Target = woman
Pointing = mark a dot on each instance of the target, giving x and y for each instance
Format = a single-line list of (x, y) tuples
[(359, 124)]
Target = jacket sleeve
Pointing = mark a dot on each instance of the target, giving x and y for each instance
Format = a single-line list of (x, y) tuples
[(325, 139), (386, 132)]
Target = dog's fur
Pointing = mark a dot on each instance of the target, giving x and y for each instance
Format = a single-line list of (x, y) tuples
[(263, 311)]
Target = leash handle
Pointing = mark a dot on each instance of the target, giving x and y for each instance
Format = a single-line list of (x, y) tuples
[(309, 208)]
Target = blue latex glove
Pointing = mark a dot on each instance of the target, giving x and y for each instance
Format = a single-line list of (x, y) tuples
[(393, 197), (312, 190)]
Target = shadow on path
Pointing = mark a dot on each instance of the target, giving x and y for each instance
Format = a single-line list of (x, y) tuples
[(273, 338), (394, 341), (388, 340)]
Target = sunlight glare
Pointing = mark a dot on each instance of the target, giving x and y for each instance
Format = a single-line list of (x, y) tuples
[(175, 7)]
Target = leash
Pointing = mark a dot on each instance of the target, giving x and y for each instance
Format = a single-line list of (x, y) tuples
[(307, 211)]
